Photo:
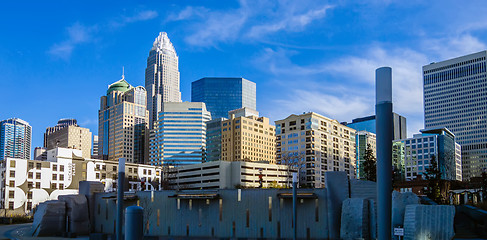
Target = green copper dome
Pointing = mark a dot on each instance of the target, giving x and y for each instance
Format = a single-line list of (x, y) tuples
[(120, 85)]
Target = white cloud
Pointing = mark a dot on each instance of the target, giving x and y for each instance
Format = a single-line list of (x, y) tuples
[(290, 22), (141, 16), (252, 20), (340, 106), (187, 13), (220, 27), (450, 47), (344, 88), (79, 33)]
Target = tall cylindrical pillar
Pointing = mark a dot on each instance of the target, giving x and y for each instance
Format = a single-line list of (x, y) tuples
[(121, 178), (134, 223), (385, 131)]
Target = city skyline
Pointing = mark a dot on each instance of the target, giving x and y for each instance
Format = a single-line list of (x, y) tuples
[(333, 47)]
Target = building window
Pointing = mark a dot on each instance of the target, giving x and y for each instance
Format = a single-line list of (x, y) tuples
[(11, 205), (61, 168), (30, 175), (29, 195), (38, 175), (38, 165), (31, 165), (61, 186), (12, 163), (54, 177), (11, 194), (11, 184), (29, 206), (53, 186), (12, 173), (38, 185), (54, 167), (97, 175)]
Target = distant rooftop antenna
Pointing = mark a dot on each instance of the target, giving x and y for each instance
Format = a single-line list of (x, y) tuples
[(123, 72)]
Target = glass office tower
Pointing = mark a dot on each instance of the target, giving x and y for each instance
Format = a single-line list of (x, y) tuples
[(455, 97), (15, 139), (179, 136), (222, 95)]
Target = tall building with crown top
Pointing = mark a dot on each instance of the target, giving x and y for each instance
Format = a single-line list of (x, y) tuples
[(123, 123), (161, 76)]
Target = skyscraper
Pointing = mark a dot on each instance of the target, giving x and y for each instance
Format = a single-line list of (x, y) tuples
[(323, 143), (179, 136), (161, 76), (222, 95), (62, 123), (15, 139), (123, 123), (73, 137), (248, 137), (455, 97)]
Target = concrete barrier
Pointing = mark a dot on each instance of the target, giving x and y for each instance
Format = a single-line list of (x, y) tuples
[(423, 222)]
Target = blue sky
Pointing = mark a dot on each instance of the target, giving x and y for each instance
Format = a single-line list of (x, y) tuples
[(57, 58)]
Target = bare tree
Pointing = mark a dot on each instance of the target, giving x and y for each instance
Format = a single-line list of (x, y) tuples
[(293, 160), (146, 203)]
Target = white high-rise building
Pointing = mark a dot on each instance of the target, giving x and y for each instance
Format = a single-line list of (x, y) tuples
[(455, 97), (161, 76)]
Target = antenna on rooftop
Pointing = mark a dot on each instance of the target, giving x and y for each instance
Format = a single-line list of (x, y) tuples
[(123, 72)]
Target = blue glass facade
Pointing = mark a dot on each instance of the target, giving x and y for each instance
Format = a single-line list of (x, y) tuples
[(368, 124), (214, 139), (222, 95), (180, 134)]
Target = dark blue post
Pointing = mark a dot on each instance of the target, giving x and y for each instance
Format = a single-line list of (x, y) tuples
[(134, 223), (295, 210), (121, 178), (385, 130)]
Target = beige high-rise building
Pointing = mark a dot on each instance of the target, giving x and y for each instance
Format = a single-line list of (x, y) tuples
[(318, 144), (248, 138), (123, 123), (71, 137)]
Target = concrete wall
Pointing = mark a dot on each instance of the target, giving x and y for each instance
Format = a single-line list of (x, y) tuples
[(256, 213)]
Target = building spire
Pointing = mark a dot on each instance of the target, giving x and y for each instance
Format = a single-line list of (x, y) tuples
[(123, 72)]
